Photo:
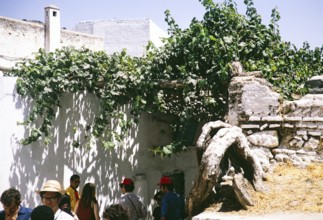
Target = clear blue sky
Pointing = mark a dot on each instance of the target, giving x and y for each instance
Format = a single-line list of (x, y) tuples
[(301, 20)]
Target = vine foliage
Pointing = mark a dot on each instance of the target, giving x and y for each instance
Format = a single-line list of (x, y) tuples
[(195, 60), (47, 77)]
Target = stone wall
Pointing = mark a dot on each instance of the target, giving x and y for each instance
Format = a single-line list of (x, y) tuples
[(288, 130)]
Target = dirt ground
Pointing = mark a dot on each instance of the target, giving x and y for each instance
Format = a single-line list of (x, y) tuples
[(289, 189)]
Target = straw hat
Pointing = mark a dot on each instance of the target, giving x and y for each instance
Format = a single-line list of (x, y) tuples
[(52, 186)]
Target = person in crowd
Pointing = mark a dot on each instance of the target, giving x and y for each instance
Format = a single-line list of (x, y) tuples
[(42, 212), (50, 194), (171, 204), (115, 212), (183, 213), (130, 201), (65, 205), (11, 202), (157, 210), (72, 190), (87, 207)]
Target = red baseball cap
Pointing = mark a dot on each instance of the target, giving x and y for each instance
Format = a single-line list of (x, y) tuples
[(127, 181), (165, 180)]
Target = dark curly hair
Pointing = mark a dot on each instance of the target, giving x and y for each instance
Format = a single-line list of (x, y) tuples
[(10, 195), (115, 212), (42, 212)]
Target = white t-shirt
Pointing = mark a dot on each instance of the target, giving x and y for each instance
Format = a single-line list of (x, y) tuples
[(60, 215)]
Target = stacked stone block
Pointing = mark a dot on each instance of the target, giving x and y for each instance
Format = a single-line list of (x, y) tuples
[(290, 128)]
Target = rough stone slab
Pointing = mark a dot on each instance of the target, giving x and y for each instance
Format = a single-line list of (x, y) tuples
[(284, 151), (298, 138), (316, 113), (306, 110), (310, 99), (246, 126), (264, 155), (241, 188), (299, 144), (254, 118), (297, 112), (274, 126), (287, 125), (308, 153), (301, 132), (272, 118), (312, 144), (288, 118), (264, 139), (314, 133), (300, 125), (310, 126), (263, 127), (281, 157), (258, 98), (313, 119)]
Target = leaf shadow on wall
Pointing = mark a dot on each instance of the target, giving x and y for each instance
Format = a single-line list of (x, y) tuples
[(34, 164)]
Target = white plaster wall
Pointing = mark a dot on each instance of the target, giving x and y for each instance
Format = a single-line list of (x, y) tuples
[(20, 39), (28, 167), (52, 28), (78, 40), (23, 167), (130, 34), (157, 34)]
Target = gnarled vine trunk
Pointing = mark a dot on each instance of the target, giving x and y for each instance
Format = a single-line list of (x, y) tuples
[(228, 148)]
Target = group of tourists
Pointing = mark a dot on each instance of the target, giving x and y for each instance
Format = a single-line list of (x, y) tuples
[(68, 204)]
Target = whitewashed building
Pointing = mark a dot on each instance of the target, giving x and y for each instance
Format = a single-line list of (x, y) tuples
[(130, 34), (28, 167)]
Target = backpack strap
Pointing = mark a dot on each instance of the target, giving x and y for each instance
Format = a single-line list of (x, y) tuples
[(133, 206)]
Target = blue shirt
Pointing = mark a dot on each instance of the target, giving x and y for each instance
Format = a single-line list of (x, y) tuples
[(23, 214), (170, 207)]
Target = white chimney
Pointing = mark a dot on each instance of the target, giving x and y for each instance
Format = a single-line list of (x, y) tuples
[(52, 28)]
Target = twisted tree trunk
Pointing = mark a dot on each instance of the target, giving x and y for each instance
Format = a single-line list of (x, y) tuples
[(229, 147)]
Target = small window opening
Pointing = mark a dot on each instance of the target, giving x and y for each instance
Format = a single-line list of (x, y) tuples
[(178, 180), (54, 13)]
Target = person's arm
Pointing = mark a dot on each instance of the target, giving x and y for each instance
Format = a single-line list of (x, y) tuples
[(96, 211), (75, 216), (76, 207)]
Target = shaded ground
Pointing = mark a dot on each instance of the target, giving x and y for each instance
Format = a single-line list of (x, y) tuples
[(290, 189)]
